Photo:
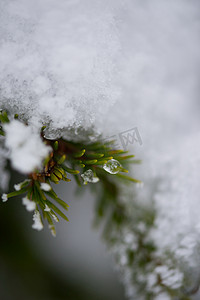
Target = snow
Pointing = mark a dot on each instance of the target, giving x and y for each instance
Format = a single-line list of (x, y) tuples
[(58, 60), (4, 197), (30, 205), (106, 67), (45, 186), (47, 208), (161, 98), (17, 187), (37, 225), (162, 296), (27, 151), (53, 232), (170, 278), (54, 217), (4, 174)]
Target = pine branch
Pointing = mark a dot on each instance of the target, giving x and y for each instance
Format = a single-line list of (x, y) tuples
[(86, 162)]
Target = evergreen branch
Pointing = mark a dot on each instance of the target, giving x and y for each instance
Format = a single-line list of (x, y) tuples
[(86, 162)]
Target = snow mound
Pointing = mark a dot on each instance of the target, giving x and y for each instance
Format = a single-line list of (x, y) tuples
[(58, 60)]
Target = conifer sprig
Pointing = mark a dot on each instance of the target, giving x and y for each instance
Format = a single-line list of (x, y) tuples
[(87, 163)]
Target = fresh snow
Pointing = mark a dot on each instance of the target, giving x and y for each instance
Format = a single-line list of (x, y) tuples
[(45, 186), (37, 225), (30, 205), (4, 197), (27, 151), (58, 60), (106, 67)]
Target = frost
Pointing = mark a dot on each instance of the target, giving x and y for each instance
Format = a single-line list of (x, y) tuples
[(27, 151), (4, 197), (112, 166), (37, 225), (30, 205), (88, 176), (45, 186)]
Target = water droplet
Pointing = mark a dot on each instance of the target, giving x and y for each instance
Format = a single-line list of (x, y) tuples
[(52, 134), (112, 166), (89, 176)]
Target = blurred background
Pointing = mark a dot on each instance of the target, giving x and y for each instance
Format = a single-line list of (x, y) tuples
[(74, 265)]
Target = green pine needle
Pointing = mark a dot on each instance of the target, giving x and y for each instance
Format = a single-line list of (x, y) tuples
[(70, 158)]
